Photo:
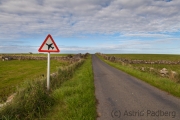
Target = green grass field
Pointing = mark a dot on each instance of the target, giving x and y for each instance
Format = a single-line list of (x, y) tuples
[(14, 72), (35, 54), (169, 57), (75, 99), (153, 57), (32, 100)]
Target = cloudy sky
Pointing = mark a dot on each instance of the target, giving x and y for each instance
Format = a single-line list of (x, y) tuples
[(107, 26)]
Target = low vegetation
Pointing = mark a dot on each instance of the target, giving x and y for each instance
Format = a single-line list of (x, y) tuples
[(75, 99), (31, 54), (32, 99), (147, 56), (14, 72), (164, 76)]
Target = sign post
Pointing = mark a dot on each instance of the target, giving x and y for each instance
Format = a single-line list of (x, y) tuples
[(48, 46), (48, 71)]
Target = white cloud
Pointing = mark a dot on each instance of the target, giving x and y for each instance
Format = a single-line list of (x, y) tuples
[(144, 18), (154, 35)]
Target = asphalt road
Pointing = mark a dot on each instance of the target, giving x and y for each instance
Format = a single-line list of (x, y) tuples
[(123, 97)]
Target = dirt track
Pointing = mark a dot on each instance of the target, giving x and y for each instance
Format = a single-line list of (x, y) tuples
[(123, 97)]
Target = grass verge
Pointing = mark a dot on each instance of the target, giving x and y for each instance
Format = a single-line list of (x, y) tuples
[(159, 82), (75, 99), (32, 99)]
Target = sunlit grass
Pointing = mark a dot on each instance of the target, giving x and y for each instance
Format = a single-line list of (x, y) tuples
[(14, 72), (169, 57), (32, 100), (75, 98), (34, 54)]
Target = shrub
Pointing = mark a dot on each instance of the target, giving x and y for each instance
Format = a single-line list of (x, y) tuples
[(31, 101)]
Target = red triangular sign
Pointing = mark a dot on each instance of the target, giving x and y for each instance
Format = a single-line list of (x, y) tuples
[(49, 45)]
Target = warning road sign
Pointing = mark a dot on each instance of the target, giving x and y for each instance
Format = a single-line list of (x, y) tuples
[(49, 45)]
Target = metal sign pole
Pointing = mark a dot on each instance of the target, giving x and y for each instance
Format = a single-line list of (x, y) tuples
[(48, 71)]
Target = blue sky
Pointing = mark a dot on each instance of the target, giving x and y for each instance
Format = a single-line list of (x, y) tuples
[(79, 26)]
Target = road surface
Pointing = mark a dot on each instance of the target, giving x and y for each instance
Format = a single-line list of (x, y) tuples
[(123, 97)]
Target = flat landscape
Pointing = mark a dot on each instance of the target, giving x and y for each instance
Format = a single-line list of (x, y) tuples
[(69, 88), (171, 57), (152, 63), (87, 87), (123, 96), (159, 70), (15, 72), (110, 59)]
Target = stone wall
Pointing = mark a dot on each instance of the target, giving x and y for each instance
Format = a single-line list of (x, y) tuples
[(164, 72), (34, 57), (128, 61)]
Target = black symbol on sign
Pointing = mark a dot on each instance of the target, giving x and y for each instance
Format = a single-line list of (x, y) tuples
[(50, 46)]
